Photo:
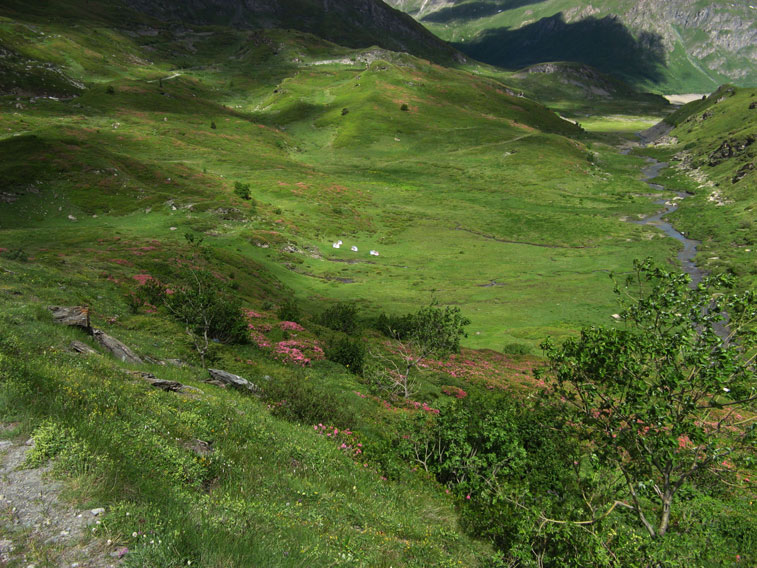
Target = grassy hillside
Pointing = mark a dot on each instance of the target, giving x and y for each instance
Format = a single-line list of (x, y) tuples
[(668, 47), (208, 476), (139, 155), (471, 195), (580, 91), (712, 153)]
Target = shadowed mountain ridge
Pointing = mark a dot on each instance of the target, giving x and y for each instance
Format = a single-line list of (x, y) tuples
[(352, 23)]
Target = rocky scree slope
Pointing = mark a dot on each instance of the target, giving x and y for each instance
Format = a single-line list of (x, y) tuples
[(704, 44)]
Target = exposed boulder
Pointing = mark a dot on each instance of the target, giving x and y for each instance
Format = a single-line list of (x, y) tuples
[(75, 316), (199, 447), (115, 347), (168, 386), (741, 174), (235, 381), (729, 149), (83, 348)]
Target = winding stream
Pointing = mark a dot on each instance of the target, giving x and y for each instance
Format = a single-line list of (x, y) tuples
[(689, 251)]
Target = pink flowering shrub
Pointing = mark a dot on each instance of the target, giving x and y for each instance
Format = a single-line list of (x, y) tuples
[(346, 439), (298, 352), (290, 326), (457, 392), (142, 279), (421, 406)]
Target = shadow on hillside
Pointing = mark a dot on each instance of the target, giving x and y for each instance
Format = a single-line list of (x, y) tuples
[(602, 43), (475, 10)]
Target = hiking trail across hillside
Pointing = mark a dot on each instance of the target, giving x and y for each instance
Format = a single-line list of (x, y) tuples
[(37, 528)]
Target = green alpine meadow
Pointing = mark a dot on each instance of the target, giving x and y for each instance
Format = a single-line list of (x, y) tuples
[(291, 283)]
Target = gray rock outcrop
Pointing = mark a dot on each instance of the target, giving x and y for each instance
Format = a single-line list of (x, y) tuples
[(75, 316), (233, 380), (115, 347), (83, 348)]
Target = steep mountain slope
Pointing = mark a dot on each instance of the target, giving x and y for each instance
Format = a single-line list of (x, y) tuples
[(354, 23), (578, 90), (669, 46)]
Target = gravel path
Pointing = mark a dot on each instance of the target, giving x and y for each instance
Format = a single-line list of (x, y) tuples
[(37, 529)]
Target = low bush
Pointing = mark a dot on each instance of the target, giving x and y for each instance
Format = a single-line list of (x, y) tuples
[(347, 352), (341, 317), (289, 311), (516, 349), (298, 399), (242, 190)]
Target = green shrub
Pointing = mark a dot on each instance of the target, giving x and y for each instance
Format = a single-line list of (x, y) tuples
[(242, 190), (50, 439), (516, 349), (341, 317), (404, 107), (153, 291), (396, 327), (16, 254), (207, 313), (298, 399), (347, 352), (289, 311)]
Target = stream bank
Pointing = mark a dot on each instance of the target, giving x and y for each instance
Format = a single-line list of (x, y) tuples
[(689, 251)]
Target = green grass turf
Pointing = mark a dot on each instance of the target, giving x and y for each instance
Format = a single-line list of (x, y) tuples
[(467, 188)]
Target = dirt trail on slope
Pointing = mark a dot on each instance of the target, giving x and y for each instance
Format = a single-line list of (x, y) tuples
[(36, 527)]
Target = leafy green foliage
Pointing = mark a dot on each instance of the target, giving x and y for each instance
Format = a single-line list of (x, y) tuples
[(50, 439), (348, 352), (432, 331), (438, 331), (242, 190), (303, 401), (16, 254), (645, 394), (289, 310), (399, 327), (207, 313), (342, 316)]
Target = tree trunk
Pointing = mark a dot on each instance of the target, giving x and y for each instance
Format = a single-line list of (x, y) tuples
[(667, 499)]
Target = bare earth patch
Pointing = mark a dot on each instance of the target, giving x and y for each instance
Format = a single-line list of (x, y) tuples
[(36, 527)]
